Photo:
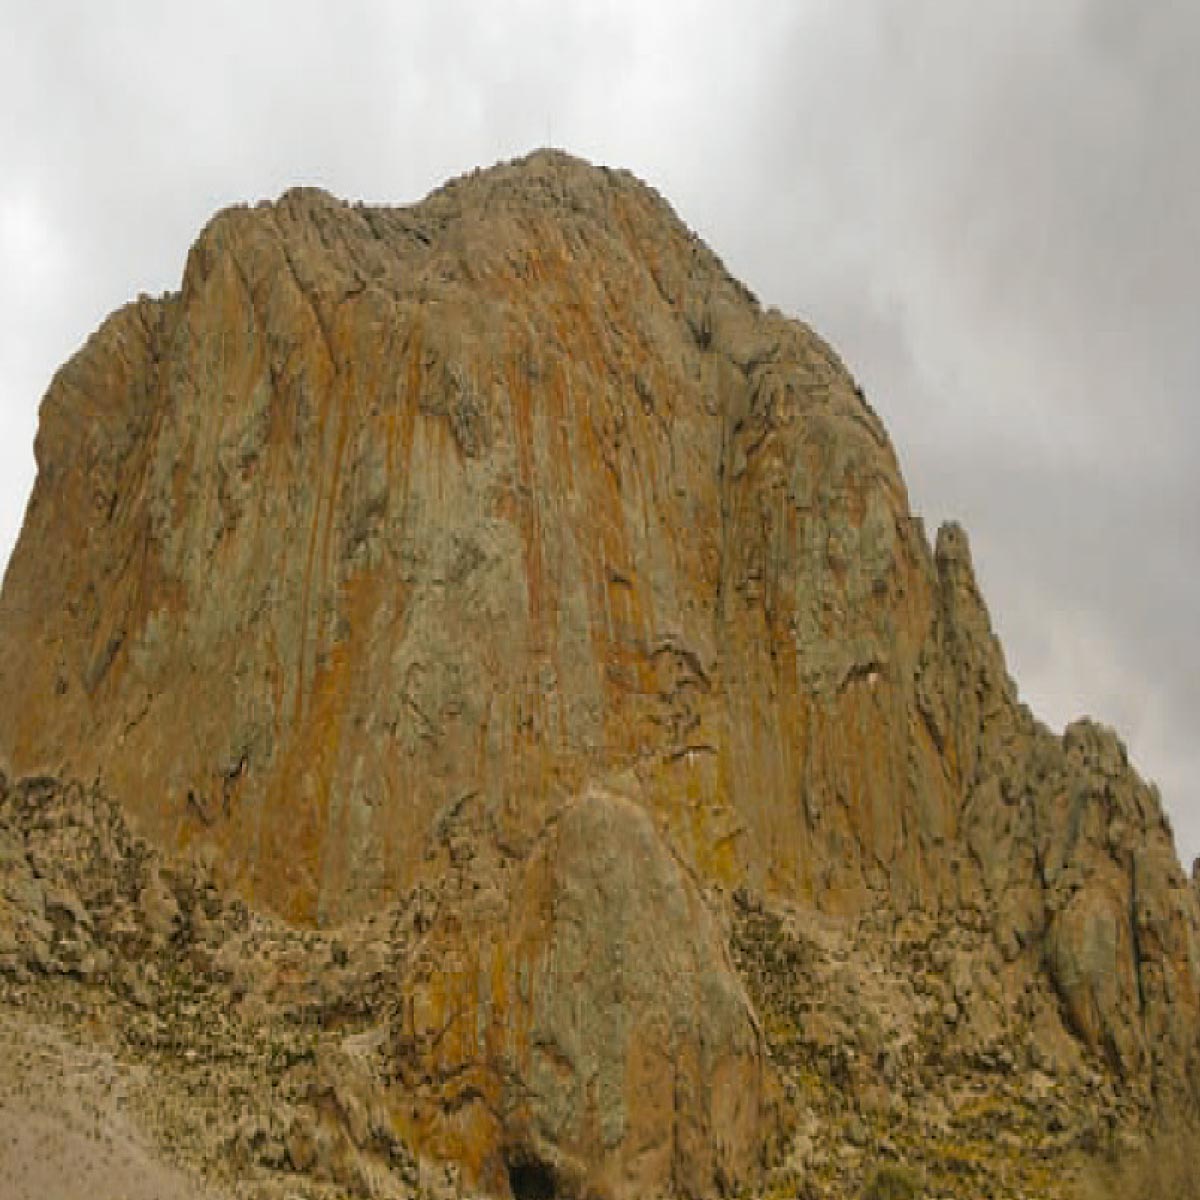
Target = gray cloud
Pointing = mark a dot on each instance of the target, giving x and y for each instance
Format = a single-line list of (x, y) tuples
[(989, 209)]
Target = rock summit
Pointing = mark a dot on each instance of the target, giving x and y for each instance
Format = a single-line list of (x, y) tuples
[(501, 561)]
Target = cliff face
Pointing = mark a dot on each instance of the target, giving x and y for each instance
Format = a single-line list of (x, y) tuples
[(396, 531), (496, 496)]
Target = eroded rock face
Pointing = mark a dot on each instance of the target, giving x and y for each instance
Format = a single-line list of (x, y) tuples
[(578, 1019), (509, 492), (397, 534), (275, 1062)]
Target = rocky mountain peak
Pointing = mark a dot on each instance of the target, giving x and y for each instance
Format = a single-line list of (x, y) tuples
[(503, 549)]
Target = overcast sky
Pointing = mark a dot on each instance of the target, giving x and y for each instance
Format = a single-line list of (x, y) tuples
[(991, 209)]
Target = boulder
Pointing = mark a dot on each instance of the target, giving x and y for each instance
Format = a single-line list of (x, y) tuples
[(583, 1031)]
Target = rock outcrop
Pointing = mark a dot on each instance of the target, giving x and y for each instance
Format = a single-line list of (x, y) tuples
[(1073, 857), (583, 1023), (222, 1052), (503, 551), (511, 492)]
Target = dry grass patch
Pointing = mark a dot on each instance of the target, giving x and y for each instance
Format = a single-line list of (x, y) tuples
[(1167, 1168)]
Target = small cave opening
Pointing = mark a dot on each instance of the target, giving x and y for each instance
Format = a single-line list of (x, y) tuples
[(530, 1179)]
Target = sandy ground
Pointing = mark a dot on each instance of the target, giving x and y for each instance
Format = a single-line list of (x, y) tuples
[(65, 1129)]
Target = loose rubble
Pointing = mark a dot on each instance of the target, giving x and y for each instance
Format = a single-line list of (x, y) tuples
[(266, 1062)]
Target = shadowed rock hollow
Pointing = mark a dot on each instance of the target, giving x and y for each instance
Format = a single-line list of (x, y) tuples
[(402, 543)]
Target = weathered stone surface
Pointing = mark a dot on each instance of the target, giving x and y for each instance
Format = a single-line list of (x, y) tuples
[(584, 1021), (1075, 856), (271, 1062), (507, 493), (573, 1014), (398, 542)]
